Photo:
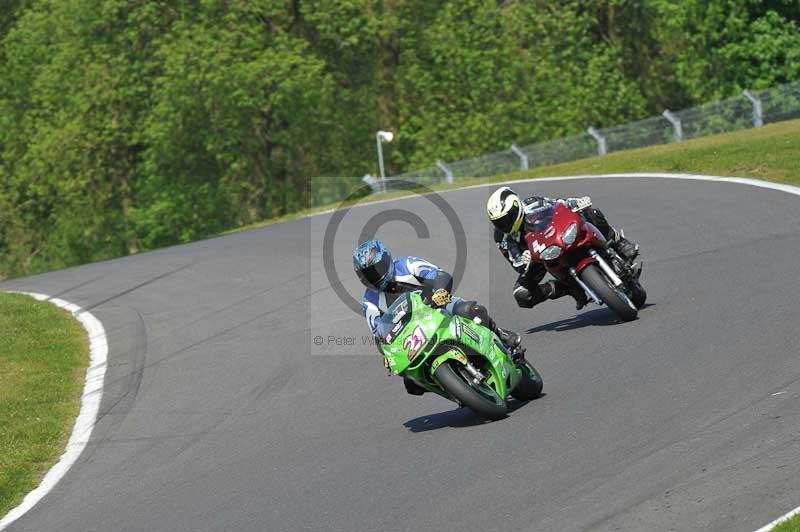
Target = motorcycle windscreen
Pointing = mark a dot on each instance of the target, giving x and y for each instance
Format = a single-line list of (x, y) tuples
[(394, 319), (540, 219)]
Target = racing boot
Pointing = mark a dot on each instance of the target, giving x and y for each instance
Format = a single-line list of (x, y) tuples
[(557, 290), (512, 342), (579, 295), (626, 249)]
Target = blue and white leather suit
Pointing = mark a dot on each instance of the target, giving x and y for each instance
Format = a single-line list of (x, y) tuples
[(409, 273)]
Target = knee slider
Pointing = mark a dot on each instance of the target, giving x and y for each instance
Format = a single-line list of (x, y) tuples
[(523, 297), (471, 310), (464, 309), (480, 311)]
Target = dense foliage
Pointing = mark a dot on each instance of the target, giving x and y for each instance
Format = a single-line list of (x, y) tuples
[(131, 124)]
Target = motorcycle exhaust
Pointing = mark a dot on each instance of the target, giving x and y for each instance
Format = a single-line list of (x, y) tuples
[(609, 271), (589, 291)]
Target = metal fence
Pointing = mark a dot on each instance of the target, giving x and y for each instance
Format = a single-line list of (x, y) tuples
[(751, 109)]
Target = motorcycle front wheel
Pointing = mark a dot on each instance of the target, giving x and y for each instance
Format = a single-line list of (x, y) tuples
[(615, 298), (480, 398)]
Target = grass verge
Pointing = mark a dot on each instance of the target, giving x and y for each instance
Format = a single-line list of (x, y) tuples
[(769, 153), (790, 525), (44, 353)]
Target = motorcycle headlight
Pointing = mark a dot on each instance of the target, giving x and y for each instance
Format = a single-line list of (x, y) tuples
[(550, 253), (568, 237)]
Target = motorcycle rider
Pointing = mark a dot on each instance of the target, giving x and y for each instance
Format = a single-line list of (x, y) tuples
[(386, 279), (507, 213)]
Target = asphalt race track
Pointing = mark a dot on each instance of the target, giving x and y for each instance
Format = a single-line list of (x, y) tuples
[(221, 414)]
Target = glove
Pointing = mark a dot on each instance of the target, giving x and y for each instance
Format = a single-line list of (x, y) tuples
[(578, 204), (523, 260), (526, 258), (440, 297)]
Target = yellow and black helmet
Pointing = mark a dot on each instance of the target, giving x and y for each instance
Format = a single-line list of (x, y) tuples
[(505, 210)]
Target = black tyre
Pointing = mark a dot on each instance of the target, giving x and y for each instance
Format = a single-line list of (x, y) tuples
[(638, 295), (611, 296), (480, 398), (530, 385)]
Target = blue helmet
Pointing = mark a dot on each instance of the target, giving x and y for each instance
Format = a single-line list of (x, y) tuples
[(372, 262)]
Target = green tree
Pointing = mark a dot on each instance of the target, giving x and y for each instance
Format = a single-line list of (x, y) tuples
[(132, 124)]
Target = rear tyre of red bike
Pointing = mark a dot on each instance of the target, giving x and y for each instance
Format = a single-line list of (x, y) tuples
[(615, 298), (480, 398)]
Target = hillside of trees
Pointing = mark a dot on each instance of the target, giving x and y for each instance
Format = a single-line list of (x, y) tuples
[(127, 125)]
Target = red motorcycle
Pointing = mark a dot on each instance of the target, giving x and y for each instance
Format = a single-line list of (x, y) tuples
[(576, 253)]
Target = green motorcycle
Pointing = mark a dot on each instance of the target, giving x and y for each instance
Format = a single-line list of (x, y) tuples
[(453, 357)]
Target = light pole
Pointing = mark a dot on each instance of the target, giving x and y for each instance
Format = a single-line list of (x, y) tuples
[(385, 136)]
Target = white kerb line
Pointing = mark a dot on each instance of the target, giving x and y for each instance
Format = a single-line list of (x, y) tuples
[(90, 406)]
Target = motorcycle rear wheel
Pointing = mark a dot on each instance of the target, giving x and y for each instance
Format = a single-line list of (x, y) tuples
[(530, 385), (616, 299), (480, 398)]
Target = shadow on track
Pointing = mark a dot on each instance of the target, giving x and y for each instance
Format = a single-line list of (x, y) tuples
[(458, 418), (601, 317)]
